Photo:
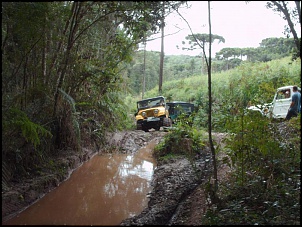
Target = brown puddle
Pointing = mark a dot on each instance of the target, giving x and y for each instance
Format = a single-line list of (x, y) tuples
[(103, 191)]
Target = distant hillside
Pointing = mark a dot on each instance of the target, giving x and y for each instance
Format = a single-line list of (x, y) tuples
[(146, 64), (231, 90)]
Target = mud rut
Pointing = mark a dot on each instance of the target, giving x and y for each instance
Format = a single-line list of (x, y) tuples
[(176, 188), (176, 183)]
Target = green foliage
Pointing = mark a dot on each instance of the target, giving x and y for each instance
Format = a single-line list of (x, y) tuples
[(15, 119), (117, 115), (295, 125), (62, 68), (249, 143), (290, 13), (269, 49), (183, 139), (184, 66), (108, 114), (199, 41), (43, 41), (264, 187), (75, 123), (232, 90)]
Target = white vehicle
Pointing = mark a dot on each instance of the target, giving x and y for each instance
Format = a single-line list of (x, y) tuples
[(279, 106)]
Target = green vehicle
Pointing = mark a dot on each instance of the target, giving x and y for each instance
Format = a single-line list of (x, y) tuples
[(177, 108)]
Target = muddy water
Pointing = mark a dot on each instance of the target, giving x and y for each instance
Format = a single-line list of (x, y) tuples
[(103, 191)]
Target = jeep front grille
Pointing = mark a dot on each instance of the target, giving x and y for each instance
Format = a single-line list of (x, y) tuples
[(150, 113)]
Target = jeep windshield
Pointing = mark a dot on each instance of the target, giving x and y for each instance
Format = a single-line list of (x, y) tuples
[(177, 108), (149, 103)]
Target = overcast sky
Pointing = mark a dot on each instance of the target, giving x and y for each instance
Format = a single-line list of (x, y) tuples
[(241, 25)]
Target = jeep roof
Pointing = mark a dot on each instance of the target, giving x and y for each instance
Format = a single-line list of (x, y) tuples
[(179, 102), (158, 97), (144, 103)]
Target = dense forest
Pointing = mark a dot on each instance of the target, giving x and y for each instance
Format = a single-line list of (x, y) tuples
[(73, 70), (62, 77)]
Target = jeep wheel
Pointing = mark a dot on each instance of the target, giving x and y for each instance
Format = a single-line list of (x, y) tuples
[(138, 126), (170, 122), (167, 122), (144, 128)]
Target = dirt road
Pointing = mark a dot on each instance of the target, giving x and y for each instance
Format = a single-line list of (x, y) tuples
[(177, 196)]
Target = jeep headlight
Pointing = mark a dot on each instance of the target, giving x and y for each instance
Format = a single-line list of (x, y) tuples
[(156, 111), (144, 114)]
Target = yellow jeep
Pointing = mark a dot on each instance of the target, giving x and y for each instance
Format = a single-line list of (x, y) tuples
[(152, 113)]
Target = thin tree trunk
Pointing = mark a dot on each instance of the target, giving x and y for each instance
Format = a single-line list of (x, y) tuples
[(144, 69), (290, 23), (44, 52), (161, 67), (62, 70), (210, 105), (299, 11)]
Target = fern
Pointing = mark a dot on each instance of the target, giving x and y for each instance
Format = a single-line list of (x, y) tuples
[(69, 99), (30, 130), (75, 123)]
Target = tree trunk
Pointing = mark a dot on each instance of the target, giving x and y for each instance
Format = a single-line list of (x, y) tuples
[(210, 107), (144, 69), (62, 70), (161, 66), (285, 11)]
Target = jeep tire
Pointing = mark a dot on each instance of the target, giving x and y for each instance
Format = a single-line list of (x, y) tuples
[(139, 125), (167, 122), (145, 129)]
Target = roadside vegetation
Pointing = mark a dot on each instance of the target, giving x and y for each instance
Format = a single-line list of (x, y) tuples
[(264, 154), (264, 186), (62, 86), (183, 139)]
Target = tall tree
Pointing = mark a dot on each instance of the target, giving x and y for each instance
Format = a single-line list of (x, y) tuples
[(210, 105), (292, 16), (199, 41), (167, 8)]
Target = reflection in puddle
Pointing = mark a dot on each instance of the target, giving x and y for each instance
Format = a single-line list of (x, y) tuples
[(143, 170), (103, 191)]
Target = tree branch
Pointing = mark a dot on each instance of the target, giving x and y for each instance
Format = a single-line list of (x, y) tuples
[(202, 47)]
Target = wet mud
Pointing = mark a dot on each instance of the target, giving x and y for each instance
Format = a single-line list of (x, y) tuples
[(175, 183)]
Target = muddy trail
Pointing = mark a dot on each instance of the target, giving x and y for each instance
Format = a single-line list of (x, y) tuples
[(177, 195)]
